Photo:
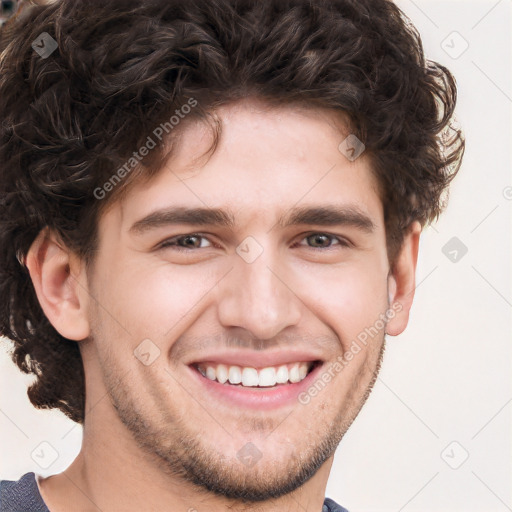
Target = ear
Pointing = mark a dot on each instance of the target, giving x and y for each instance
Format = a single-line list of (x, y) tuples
[(402, 281), (59, 279)]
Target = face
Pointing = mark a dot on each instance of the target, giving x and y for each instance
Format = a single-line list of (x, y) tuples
[(271, 280)]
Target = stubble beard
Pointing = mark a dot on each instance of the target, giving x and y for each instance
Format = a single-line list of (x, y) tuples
[(179, 452)]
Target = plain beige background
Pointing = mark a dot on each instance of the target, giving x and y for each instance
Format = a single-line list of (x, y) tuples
[(435, 434)]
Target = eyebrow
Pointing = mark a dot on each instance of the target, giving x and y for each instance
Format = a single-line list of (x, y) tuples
[(332, 215), (184, 215), (328, 216)]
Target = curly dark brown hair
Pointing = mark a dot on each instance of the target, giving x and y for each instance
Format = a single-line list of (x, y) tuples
[(69, 120)]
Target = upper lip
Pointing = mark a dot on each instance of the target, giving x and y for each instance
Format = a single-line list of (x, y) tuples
[(249, 358)]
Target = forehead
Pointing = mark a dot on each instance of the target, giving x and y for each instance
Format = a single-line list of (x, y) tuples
[(268, 160)]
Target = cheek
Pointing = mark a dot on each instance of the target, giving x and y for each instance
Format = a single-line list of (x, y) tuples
[(347, 299), (152, 300)]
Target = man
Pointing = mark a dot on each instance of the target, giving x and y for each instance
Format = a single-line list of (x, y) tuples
[(210, 219)]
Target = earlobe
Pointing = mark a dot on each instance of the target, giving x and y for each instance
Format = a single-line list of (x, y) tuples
[(60, 283), (402, 281)]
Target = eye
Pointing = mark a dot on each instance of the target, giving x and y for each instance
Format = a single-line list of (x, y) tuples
[(185, 242), (324, 240)]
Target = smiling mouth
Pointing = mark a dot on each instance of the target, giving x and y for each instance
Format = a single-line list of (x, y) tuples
[(250, 377)]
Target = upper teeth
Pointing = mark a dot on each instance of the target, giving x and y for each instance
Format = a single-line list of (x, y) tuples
[(249, 376)]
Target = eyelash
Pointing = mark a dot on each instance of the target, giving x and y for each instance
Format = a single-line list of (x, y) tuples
[(171, 242)]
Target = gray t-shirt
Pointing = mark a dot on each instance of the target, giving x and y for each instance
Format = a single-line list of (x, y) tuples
[(23, 496)]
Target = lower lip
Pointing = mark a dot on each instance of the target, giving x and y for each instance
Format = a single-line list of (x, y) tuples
[(257, 398)]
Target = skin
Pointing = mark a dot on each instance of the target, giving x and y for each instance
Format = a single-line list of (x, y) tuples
[(153, 440)]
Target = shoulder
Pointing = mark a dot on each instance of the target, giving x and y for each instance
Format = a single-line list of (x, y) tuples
[(21, 495), (332, 506)]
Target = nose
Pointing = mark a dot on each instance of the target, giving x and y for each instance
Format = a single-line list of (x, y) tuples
[(259, 297)]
